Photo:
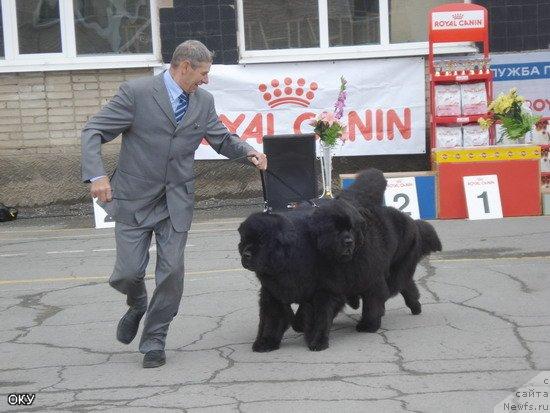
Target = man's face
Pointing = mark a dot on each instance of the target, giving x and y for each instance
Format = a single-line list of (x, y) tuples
[(192, 78)]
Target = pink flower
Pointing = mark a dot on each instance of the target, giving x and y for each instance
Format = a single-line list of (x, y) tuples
[(328, 125), (328, 117)]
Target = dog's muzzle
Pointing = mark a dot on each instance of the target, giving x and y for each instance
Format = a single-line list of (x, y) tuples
[(347, 249), (246, 260)]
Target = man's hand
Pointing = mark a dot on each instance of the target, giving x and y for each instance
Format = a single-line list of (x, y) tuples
[(101, 188), (259, 159)]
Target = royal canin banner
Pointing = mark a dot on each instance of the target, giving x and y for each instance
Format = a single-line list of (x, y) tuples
[(385, 108), (453, 20)]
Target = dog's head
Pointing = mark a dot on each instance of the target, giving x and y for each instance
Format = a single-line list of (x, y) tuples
[(266, 242), (338, 230)]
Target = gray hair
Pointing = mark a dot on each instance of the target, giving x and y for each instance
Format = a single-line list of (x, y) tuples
[(193, 51)]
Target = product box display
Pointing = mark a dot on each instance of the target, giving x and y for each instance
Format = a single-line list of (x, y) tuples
[(473, 98), (447, 100), (474, 135), (448, 136)]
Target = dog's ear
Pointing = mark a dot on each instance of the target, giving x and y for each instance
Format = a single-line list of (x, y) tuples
[(316, 224), (285, 231), (359, 225)]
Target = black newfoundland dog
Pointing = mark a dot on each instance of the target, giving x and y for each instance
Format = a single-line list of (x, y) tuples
[(279, 248), (372, 252), (323, 257)]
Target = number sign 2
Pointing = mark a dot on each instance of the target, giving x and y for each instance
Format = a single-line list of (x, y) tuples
[(482, 197), (401, 194), (102, 219)]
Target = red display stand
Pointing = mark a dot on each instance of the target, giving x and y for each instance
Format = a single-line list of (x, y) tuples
[(458, 22), (517, 168)]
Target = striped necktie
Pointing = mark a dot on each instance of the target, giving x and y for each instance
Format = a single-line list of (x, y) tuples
[(181, 108)]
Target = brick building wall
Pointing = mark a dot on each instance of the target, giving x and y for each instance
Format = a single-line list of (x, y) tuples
[(41, 116), (42, 111)]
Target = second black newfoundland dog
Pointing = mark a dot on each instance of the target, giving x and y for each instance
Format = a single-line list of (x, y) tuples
[(372, 252), (322, 257)]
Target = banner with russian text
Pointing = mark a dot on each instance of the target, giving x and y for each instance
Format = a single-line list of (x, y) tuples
[(385, 109), (529, 72)]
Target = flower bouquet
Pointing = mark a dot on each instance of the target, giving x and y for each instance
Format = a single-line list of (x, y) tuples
[(329, 127), (508, 109)]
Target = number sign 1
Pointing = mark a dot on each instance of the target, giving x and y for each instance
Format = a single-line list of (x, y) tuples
[(401, 194), (482, 197), (102, 219)]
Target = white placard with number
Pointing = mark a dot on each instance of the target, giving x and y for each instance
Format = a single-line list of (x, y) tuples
[(401, 194), (482, 197), (102, 219)]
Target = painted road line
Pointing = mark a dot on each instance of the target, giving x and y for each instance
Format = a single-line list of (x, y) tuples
[(106, 277), (534, 257), (152, 249), (92, 230), (64, 252), (98, 236)]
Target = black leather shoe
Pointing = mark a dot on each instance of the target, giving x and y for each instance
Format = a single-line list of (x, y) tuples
[(154, 358), (128, 325)]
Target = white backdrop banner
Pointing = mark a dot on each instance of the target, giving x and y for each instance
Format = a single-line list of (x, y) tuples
[(385, 108)]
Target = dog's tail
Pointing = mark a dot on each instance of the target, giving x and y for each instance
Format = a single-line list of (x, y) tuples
[(367, 189), (429, 240)]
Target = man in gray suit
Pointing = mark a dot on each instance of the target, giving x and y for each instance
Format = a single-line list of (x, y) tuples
[(162, 120)]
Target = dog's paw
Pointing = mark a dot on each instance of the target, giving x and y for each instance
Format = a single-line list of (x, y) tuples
[(416, 308), (318, 345), (265, 344), (370, 326)]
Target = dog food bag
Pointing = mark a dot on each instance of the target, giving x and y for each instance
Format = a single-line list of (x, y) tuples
[(448, 136), (474, 98), (447, 100), (473, 135)]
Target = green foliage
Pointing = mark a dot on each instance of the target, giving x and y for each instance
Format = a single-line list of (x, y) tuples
[(329, 134)]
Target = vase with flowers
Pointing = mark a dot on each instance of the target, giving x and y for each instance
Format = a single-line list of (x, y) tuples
[(329, 128), (509, 110)]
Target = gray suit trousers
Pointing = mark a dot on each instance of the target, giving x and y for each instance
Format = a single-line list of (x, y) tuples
[(132, 257)]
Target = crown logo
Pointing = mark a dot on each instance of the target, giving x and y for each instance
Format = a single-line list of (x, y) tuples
[(288, 92), (458, 16)]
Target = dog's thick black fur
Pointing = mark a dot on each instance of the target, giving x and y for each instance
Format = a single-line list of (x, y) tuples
[(277, 247), (370, 251), (280, 250)]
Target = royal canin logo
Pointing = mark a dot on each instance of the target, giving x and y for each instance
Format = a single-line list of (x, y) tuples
[(288, 93), (458, 16)]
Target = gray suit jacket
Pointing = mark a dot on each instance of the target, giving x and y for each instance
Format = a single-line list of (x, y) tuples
[(156, 154)]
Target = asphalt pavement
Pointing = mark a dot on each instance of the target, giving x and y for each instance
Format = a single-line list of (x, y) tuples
[(483, 334)]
